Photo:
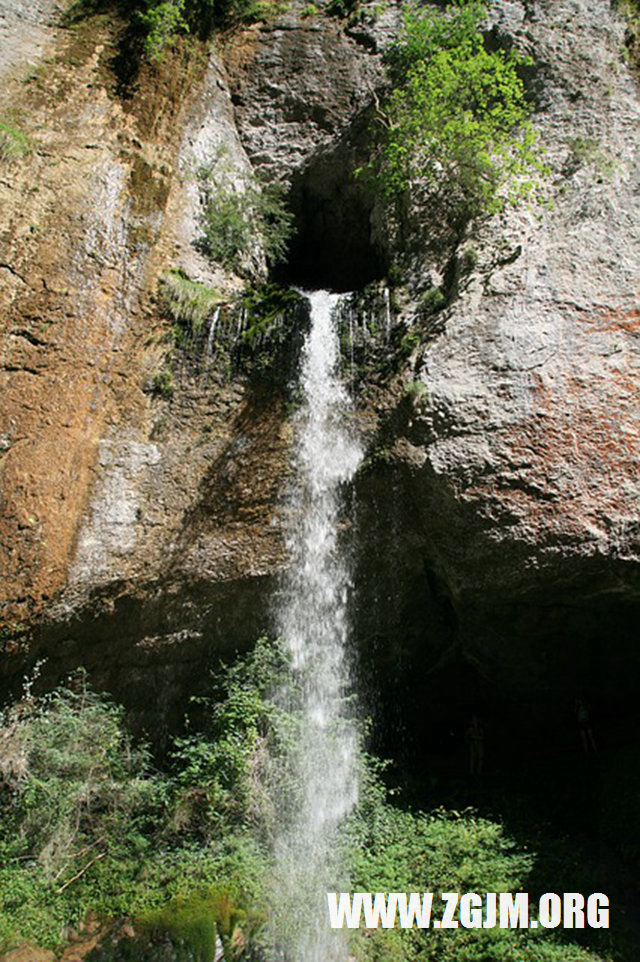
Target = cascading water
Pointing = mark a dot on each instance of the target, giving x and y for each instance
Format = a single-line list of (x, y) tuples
[(312, 620)]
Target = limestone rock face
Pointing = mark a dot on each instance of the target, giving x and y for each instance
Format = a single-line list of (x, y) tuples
[(296, 85), (530, 418), (518, 461)]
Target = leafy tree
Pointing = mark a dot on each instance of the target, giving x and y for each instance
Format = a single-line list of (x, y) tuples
[(456, 121)]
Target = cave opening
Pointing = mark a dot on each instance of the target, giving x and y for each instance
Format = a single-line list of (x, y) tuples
[(335, 244), (553, 685)]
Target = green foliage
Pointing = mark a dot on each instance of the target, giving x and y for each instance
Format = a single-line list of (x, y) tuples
[(193, 921), (410, 342), (86, 824), (631, 10), (77, 804), (163, 22), (266, 305), (11, 634), (416, 390), (468, 260), (238, 221), (219, 769), (433, 300), (14, 143), (188, 302), (456, 122), (162, 384), (233, 12), (396, 850)]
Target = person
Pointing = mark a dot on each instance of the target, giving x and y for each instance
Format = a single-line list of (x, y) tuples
[(584, 725), (475, 745)]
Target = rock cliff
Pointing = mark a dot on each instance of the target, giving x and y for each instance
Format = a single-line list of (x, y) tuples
[(140, 534)]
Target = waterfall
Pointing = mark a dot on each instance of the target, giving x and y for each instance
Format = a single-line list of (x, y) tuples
[(212, 334), (312, 620)]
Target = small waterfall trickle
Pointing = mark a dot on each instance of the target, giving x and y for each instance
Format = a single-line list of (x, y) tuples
[(312, 619), (211, 336)]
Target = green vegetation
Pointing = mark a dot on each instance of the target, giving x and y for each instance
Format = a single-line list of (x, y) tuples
[(14, 143), (270, 342), (265, 306), (194, 922), (154, 26), (257, 333), (164, 20), (433, 300), (239, 221), (456, 122), (87, 824), (416, 390), (162, 384), (631, 10), (11, 634), (189, 303), (77, 804)]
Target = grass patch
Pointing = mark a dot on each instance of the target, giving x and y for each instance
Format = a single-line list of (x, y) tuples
[(189, 303), (14, 143)]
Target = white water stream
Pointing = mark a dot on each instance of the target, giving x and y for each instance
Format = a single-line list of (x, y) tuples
[(312, 619)]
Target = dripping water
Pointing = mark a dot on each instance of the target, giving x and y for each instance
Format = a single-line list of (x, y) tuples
[(312, 619), (212, 334)]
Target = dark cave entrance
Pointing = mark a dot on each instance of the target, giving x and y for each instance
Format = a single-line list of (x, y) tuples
[(524, 668), (334, 246)]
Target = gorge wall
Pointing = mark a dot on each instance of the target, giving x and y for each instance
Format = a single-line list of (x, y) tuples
[(497, 512)]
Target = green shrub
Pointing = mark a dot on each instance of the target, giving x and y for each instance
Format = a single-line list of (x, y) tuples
[(86, 824), (396, 850), (162, 384), (218, 768), (266, 305), (162, 23), (192, 921), (456, 121), (433, 300), (239, 220), (416, 390), (275, 321), (76, 804), (185, 854), (14, 143)]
